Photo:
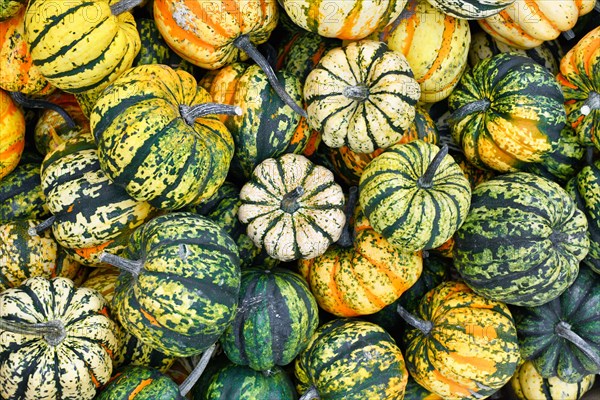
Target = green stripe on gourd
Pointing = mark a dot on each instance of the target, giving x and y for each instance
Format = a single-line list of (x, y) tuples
[(21, 195), (471, 9), (584, 189), (276, 317), (522, 240)]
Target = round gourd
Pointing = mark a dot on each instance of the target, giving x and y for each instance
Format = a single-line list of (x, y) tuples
[(527, 384), (562, 338), (9, 8), (67, 355), (80, 45), (276, 317), (292, 207), (180, 285), (471, 9), (12, 134), (522, 240), (343, 19), (580, 82), (155, 143), (414, 195), (462, 345), (506, 111), (362, 96), (352, 360), (435, 44), (21, 195), (140, 383)]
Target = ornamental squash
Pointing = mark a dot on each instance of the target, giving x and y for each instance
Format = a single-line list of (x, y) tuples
[(352, 360), (140, 383), (527, 384), (80, 45), (415, 195), (159, 139), (9, 8), (528, 23), (562, 338), (180, 283), (277, 315), (471, 9), (362, 95), (18, 74), (21, 195), (57, 341), (506, 111), (292, 207), (522, 240), (462, 345), (435, 44), (343, 19), (23, 256), (414, 391), (12, 134), (580, 81)]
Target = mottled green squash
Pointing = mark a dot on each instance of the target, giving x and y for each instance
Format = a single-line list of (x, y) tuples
[(140, 383), (8, 8), (21, 195), (414, 391)]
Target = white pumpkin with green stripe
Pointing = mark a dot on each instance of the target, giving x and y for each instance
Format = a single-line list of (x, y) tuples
[(292, 207), (471, 9), (362, 95)]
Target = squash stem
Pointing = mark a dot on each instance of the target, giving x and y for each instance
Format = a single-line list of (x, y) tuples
[(424, 326), (289, 203), (26, 102), (589, 155), (42, 226), (243, 43), (52, 331), (563, 330), (193, 377), (191, 113), (124, 6), (426, 181), (132, 266), (569, 34), (592, 103), (310, 394), (480, 105), (345, 239), (357, 92)]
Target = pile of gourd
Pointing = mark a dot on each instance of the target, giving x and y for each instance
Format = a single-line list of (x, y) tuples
[(325, 199)]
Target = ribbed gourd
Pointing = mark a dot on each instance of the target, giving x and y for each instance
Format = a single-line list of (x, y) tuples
[(140, 383), (471, 9), (522, 241)]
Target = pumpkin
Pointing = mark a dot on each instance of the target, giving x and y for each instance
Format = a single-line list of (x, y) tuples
[(180, 283), (528, 23), (276, 317), (57, 341), (12, 134), (266, 126), (140, 383), (292, 207), (351, 359), (157, 137), (21, 195), (435, 44), (343, 19), (18, 74), (24, 256), (102, 46), (9, 8), (562, 338), (527, 384), (362, 95), (506, 111), (471, 9), (522, 240), (461, 345), (580, 82), (414, 195)]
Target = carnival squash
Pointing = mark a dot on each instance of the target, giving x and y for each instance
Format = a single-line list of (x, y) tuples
[(12, 134), (21, 195)]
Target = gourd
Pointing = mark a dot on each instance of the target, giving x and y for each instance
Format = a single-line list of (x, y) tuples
[(518, 250), (12, 134), (9, 8), (173, 150), (57, 341), (415, 195), (505, 112), (362, 95), (293, 208), (461, 345), (471, 9), (21, 195)]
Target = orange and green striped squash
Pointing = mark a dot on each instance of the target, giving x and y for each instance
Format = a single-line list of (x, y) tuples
[(580, 81), (12, 134), (436, 46), (343, 19), (528, 23), (203, 32), (140, 383)]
